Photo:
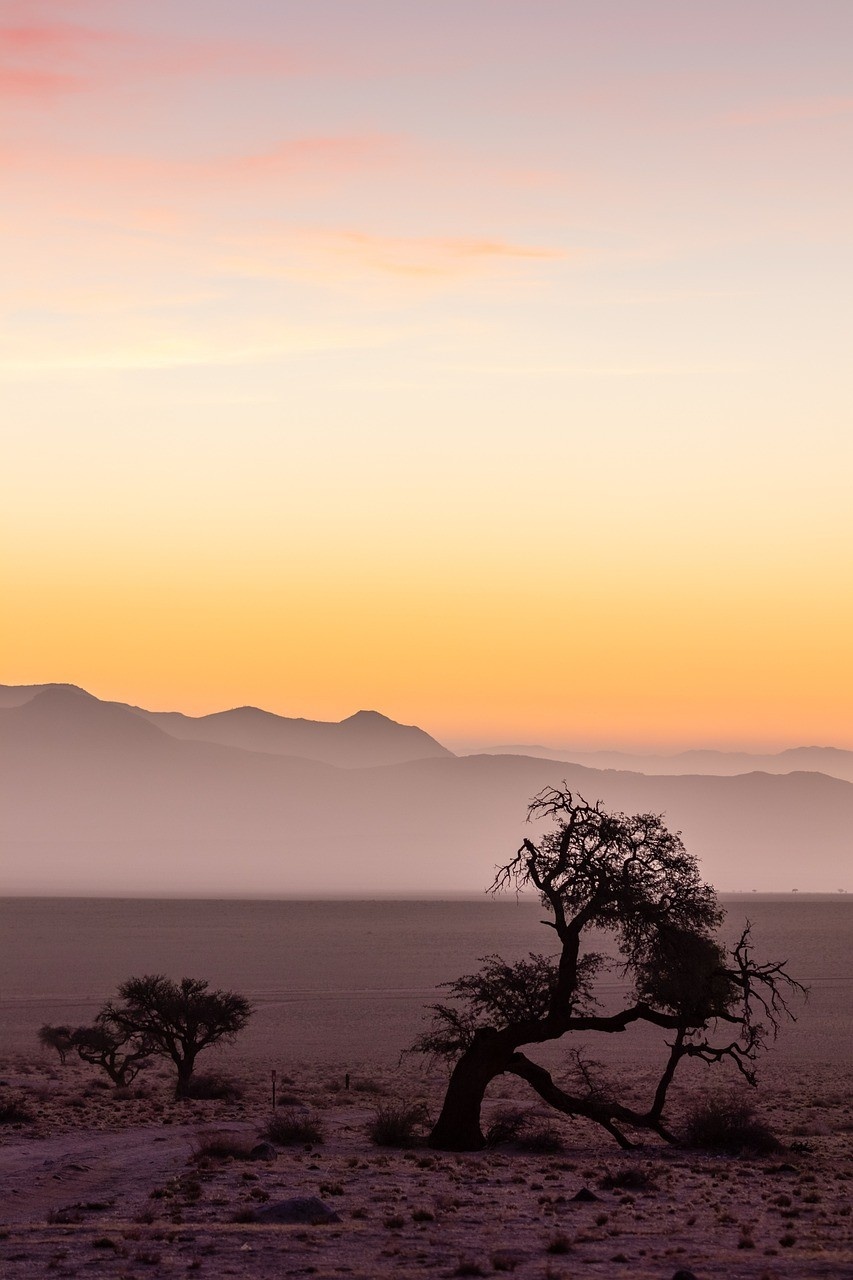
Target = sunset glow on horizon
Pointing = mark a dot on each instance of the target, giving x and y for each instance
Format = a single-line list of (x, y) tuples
[(483, 363)]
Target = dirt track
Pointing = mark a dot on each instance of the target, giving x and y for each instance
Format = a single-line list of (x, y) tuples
[(115, 1171)]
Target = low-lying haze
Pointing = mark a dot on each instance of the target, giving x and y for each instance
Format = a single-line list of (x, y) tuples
[(105, 798)]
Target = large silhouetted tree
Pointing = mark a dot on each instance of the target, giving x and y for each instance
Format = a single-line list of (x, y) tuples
[(633, 878), (177, 1020)]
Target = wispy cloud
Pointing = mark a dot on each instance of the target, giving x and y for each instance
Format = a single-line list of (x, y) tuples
[(307, 158), (43, 58), (27, 82), (47, 58), (340, 254)]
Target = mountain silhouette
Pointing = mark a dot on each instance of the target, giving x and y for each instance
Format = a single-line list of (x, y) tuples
[(95, 798), (833, 761), (364, 739)]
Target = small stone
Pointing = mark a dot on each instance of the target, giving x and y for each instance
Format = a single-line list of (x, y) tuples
[(301, 1210)]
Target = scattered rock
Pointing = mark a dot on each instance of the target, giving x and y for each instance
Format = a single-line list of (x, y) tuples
[(301, 1210), (585, 1195), (263, 1151)]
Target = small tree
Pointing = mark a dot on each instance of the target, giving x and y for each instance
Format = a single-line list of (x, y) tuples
[(58, 1038), (177, 1020), (117, 1051), (634, 878)]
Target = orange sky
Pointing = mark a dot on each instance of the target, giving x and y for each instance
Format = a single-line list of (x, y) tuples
[(486, 363)]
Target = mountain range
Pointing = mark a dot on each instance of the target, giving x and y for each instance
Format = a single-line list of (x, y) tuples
[(108, 799), (833, 761)]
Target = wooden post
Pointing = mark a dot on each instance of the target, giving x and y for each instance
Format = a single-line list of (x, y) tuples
[(273, 1089)]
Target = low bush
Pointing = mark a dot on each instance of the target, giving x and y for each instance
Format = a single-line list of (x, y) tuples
[(398, 1124), (540, 1140), (221, 1146), (506, 1126), (727, 1122), (292, 1126), (208, 1086), (628, 1179), (15, 1111), (367, 1086)]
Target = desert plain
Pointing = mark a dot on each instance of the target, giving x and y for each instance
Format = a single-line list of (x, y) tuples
[(98, 1182)]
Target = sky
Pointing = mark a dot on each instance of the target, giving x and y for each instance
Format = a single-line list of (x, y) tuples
[(484, 362)]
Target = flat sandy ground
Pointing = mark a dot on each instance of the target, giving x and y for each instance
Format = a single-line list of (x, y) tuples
[(114, 1186)]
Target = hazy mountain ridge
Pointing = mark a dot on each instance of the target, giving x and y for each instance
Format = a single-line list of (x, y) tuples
[(94, 798), (364, 739), (836, 762)]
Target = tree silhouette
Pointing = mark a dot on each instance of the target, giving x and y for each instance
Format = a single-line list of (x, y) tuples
[(177, 1020), (117, 1051), (633, 878), (58, 1038)]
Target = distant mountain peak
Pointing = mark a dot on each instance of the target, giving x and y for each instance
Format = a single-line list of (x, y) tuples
[(63, 692)]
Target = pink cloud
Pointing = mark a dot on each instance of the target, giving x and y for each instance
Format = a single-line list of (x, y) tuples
[(43, 59), (50, 57), (335, 256), (295, 155), (426, 255), (16, 82), (308, 158)]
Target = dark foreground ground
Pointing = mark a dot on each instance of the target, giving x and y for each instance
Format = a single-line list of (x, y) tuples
[(120, 1186)]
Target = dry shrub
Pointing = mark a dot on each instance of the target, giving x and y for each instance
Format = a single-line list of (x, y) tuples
[(525, 1130), (367, 1086), (221, 1146), (210, 1085), (507, 1126), (628, 1178), (540, 1140), (469, 1268), (398, 1124), (726, 1122), (14, 1110), (293, 1126)]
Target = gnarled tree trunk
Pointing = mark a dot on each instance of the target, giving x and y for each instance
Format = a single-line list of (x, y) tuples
[(458, 1127)]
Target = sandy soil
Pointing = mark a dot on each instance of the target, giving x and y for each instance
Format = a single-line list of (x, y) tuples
[(115, 1186)]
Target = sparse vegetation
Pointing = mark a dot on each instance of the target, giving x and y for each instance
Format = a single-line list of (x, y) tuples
[(398, 1124), (211, 1086), (726, 1122), (221, 1146), (15, 1111), (541, 1139), (506, 1126), (293, 1126), (177, 1020), (628, 1178)]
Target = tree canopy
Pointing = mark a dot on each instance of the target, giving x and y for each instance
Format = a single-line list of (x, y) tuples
[(632, 877), (177, 1020)]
